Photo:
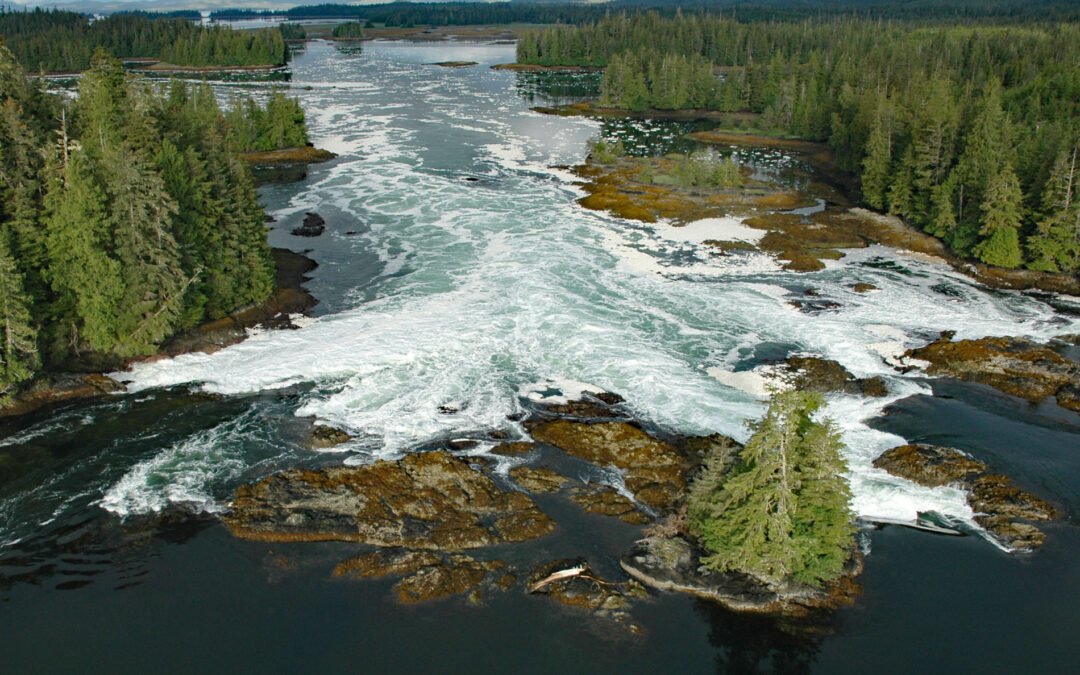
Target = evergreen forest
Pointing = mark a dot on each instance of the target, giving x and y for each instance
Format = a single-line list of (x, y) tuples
[(60, 41), (126, 215), (970, 131)]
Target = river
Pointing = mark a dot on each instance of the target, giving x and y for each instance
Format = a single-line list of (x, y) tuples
[(458, 272)]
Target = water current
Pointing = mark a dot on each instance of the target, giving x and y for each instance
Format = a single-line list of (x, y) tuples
[(458, 273)]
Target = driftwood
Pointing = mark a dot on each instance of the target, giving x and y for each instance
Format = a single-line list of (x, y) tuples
[(568, 573)]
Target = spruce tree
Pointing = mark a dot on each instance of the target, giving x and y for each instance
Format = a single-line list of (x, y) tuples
[(18, 337), (1055, 246), (783, 512), (1003, 209)]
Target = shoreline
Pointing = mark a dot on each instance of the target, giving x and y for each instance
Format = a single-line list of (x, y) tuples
[(289, 298), (819, 156)]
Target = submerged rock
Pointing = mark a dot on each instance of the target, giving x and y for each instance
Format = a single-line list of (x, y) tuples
[(653, 469), (538, 479), (605, 501), (425, 501), (1014, 365), (428, 576), (1003, 509), (671, 563)]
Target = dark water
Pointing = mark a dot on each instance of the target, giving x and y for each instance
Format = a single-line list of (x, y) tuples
[(111, 558)]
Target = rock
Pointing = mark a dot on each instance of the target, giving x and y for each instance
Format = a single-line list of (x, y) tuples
[(1016, 366), (538, 479), (594, 406), (673, 564), (514, 449), (425, 501), (461, 575), (653, 469), (323, 436), (313, 226), (930, 465), (386, 563), (1069, 397), (428, 576), (863, 287), (1001, 508), (600, 598), (811, 373), (605, 501)]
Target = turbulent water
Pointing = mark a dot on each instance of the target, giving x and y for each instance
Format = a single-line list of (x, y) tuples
[(491, 282), (458, 274)]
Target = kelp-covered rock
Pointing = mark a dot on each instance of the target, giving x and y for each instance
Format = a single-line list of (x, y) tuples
[(585, 590), (654, 469), (313, 226), (323, 436), (671, 563), (1014, 365), (811, 373), (930, 465), (428, 576), (1004, 510), (605, 501), (513, 449), (536, 479), (424, 501)]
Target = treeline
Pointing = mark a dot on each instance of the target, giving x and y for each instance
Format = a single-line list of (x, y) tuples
[(472, 13), (278, 124), (52, 40), (125, 216), (970, 132), (432, 13)]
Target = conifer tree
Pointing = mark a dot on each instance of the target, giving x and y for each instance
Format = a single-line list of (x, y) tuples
[(18, 337), (1055, 246), (876, 166), (1003, 209), (783, 512)]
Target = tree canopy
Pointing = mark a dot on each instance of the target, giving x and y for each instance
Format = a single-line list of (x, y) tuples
[(125, 215), (783, 512)]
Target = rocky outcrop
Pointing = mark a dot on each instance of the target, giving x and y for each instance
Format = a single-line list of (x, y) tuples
[(671, 563), (427, 576), (323, 437), (590, 593), (313, 226), (425, 501), (605, 501), (654, 470), (825, 376), (536, 479), (1004, 510), (1014, 365)]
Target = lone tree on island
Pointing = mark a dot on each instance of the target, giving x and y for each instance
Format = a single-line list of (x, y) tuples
[(783, 512)]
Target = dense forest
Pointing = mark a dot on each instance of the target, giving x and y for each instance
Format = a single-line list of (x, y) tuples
[(125, 216), (473, 13), (59, 41), (970, 132)]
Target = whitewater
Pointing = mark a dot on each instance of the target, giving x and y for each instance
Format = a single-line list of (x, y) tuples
[(458, 274)]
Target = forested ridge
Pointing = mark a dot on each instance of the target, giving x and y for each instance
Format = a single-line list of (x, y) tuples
[(125, 216), (969, 131), (60, 41)]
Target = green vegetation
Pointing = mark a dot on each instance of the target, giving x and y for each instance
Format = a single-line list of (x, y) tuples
[(292, 31), (125, 216), (65, 41), (606, 152), (704, 168), (967, 131), (350, 30), (782, 512), (278, 124)]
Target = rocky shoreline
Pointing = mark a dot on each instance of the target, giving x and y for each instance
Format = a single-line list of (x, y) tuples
[(801, 242), (290, 298)]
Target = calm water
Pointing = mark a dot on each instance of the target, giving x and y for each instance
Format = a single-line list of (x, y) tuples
[(457, 270)]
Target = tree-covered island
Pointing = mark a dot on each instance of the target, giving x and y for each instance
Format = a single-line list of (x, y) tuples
[(126, 215)]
